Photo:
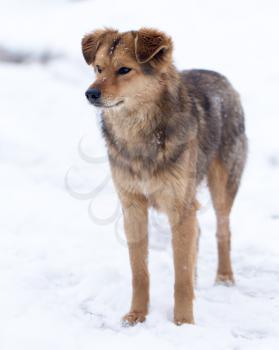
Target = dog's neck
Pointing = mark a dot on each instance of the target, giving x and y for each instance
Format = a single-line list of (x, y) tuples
[(149, 116)]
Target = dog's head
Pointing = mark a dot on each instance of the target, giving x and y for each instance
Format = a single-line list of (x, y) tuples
[(129, 66)]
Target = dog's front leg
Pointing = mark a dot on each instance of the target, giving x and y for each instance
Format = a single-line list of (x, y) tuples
[(184, 240), (135, 212)]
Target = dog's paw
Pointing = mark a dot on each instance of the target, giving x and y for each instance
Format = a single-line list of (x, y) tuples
[(132, 318), (225, 280), (182, 317), (179, 321)]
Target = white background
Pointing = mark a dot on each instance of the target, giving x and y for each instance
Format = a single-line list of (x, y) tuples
[(65, 280)]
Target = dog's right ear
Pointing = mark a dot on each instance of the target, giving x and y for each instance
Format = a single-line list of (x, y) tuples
[(92, 41), (90, 44)]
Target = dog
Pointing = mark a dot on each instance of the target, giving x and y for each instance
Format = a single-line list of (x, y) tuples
[(166, 131)]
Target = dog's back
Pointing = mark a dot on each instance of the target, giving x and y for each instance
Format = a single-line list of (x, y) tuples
[(220, 117)]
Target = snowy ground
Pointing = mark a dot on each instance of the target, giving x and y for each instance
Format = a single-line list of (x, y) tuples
[(64, 278)]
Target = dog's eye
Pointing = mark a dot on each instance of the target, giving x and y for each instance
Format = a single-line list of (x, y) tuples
[(98, 68), (123, 70)]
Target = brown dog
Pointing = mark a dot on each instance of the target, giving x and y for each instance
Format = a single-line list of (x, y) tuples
[(165, 132)]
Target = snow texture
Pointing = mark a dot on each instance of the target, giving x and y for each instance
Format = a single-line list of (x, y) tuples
[(65, 276)]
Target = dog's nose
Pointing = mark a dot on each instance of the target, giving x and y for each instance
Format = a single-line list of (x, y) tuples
[(92, 95)]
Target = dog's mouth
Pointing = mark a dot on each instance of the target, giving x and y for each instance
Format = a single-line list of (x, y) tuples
[(102, 105)]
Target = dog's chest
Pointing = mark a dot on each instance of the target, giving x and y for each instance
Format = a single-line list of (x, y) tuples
[(139, 156)]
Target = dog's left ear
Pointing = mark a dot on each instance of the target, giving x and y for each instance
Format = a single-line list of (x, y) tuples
[(151, 44)]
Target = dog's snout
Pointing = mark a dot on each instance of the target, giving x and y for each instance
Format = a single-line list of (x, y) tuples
[(93, 95)]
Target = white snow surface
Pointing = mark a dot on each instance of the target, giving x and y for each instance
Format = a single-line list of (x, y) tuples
[(64, 278)]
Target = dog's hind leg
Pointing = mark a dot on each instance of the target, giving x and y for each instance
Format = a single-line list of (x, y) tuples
[(197, 249), (222, 194)]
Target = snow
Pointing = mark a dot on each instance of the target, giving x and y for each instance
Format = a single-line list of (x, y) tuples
[(65, 277)]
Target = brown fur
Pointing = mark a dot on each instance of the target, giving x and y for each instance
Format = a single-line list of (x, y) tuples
[(166, 131)]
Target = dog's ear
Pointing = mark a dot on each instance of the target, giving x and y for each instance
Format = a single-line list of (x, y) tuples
[(151, 43), (92, 41)]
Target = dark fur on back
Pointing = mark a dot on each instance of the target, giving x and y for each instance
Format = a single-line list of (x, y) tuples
[(220, 119)]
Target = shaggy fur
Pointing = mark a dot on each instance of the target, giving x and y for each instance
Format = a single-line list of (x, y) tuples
[(165, 132)]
